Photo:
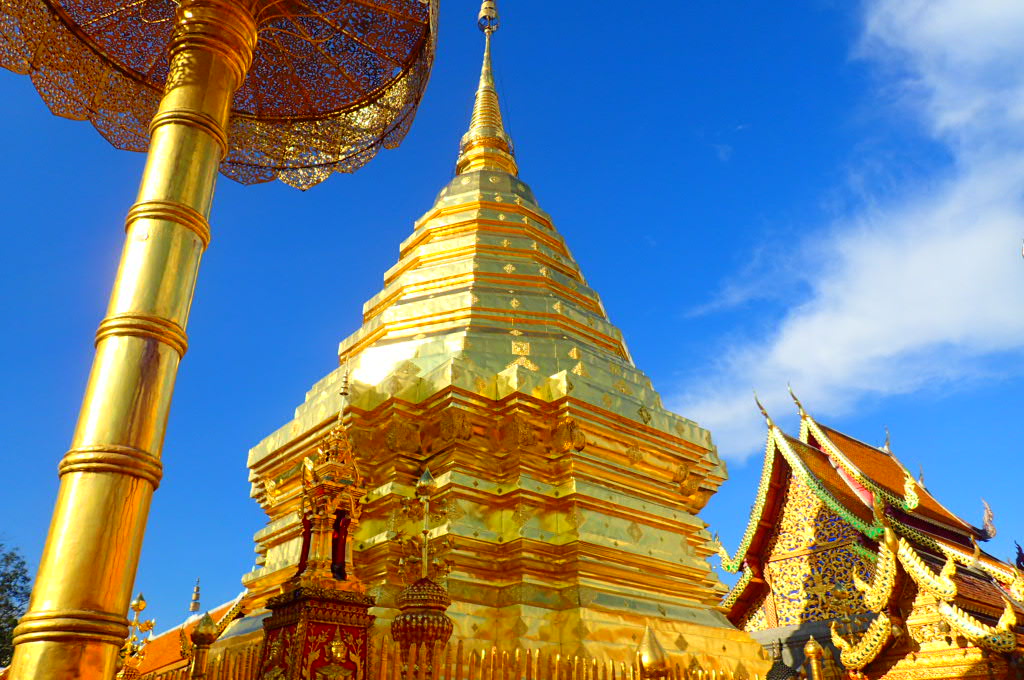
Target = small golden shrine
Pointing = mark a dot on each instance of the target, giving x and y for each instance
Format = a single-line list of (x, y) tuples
[(318, 626), (845, 545), (562, 519)]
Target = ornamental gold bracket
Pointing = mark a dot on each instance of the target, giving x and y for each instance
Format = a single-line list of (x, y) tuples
[(910, 497), (1016, 586), (1007, 577), (1000, 638), (940, 585), (868, 647), (879, 590)]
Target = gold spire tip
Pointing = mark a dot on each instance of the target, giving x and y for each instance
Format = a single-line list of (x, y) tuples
[(194, 604), (486, 145), (487, 20)]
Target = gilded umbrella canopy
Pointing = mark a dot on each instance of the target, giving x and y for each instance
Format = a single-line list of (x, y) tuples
[(331, 81)]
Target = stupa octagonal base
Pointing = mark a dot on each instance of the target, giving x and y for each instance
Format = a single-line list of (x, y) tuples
[(569, 528)]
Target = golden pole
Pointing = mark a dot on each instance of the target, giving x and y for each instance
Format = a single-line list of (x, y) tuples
[(76, 622)]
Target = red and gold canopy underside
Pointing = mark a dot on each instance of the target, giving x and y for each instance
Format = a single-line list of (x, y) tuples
[(331, 81)]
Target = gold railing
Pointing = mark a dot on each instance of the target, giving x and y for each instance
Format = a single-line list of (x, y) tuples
[(465, 661), (456, 662)]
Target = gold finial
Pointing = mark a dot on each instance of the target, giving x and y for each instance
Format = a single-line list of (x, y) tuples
[(205, 633), (134, 649), (885, 447), (813, 652), (652, 656), (486, 145), (799, 406), (427, 509), (194, 604), (426, 484)]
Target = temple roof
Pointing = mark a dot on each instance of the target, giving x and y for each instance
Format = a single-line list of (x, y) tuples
[(164, 651), (889, 473), (849, 476)]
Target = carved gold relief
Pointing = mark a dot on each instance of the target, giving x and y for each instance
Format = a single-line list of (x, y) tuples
[(454, 424), (515, 433), (811, 556), (688, 480), (402, 435), (568, 436)]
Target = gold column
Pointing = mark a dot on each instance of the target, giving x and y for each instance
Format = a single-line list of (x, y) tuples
[(76, 623)]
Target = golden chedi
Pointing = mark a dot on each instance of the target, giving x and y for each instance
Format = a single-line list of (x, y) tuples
[(567, 496)]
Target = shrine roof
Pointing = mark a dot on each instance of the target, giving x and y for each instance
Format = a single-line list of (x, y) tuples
[(848, 476), (164, 651)]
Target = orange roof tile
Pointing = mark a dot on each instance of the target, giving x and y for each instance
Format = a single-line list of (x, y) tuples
[(821, 467), (164, 650), (886, 471)]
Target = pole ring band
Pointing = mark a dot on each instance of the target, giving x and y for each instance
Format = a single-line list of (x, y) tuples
[(71, 624), (122, 460), (223, 27), (145, 326), (195, 119), (171, 211)]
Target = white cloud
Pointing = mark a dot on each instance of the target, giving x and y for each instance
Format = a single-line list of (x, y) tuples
[(919, 290)]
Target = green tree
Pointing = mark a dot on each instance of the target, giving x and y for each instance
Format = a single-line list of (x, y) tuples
[(14, 592)]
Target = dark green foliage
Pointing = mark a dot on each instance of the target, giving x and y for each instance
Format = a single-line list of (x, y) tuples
[(14, 592)]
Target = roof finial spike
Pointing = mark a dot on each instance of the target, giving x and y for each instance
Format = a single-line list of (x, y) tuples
[(799, 406), (194, 604), (885, 447), (767, 418), (989, 521), (486, 145)]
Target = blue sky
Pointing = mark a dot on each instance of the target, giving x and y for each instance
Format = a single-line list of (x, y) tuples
[(822, 193)]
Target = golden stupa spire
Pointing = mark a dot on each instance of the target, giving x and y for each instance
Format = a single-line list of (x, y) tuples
[(486, 145), (193, 606)]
